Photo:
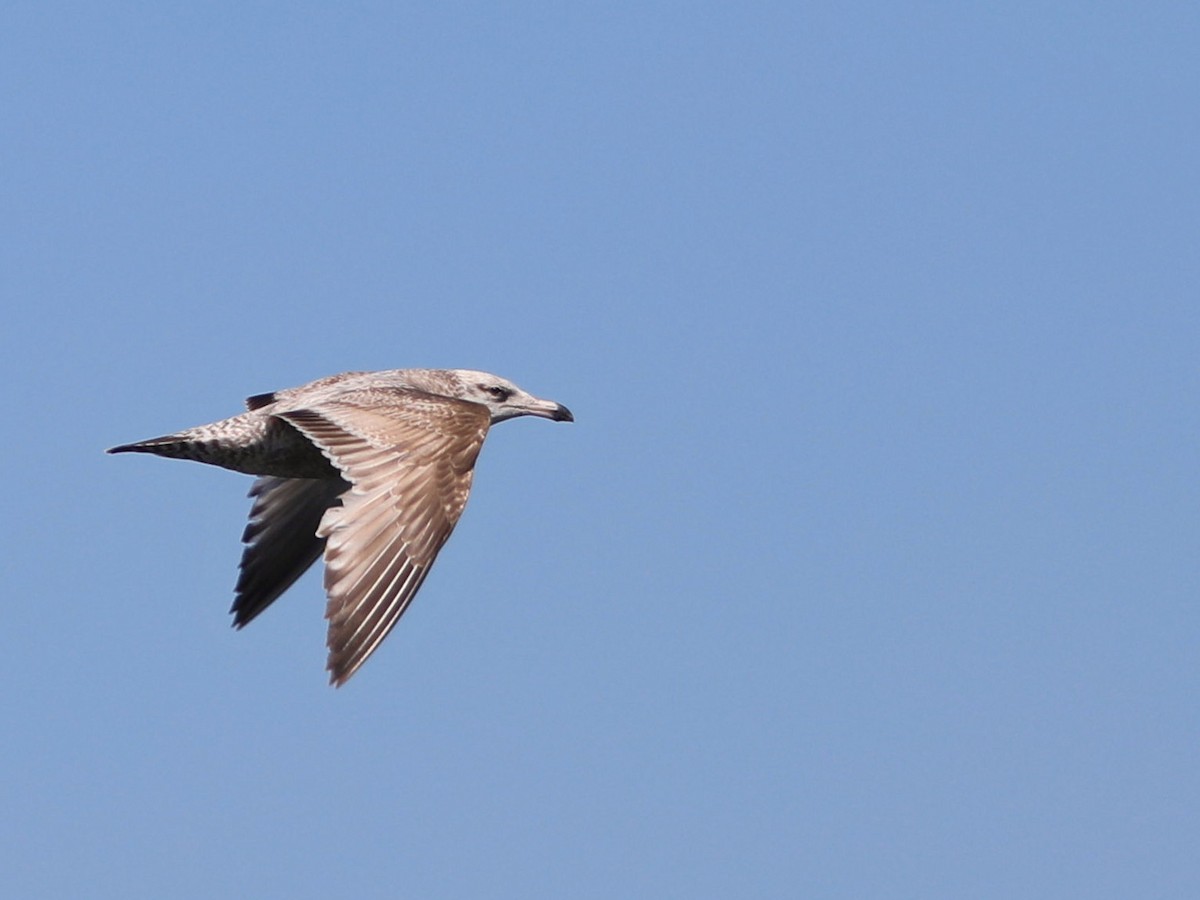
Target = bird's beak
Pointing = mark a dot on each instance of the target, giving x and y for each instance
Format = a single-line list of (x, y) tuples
[(547, 409)]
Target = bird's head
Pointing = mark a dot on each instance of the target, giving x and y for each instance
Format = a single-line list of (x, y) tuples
[(504, 399)]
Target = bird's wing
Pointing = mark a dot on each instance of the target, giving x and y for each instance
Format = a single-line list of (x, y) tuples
[(281, 539), (408, 457)]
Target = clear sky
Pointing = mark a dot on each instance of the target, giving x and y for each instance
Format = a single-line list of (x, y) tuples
[(868, 569)]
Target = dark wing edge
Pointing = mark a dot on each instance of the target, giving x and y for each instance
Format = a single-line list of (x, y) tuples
[(258, 401), (281, 539)]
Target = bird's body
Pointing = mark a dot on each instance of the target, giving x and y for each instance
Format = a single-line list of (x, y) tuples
[(372, 469)]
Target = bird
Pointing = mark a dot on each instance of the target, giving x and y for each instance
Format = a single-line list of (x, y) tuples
[(369, 469)]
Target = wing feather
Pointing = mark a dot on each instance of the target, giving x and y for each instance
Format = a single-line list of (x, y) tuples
[(281, 539), (408, 457)]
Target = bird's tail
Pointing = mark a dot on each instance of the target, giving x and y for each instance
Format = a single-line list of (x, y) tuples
[(175, 446), (250, 442)]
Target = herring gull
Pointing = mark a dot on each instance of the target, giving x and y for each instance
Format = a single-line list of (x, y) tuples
[(370, 468)]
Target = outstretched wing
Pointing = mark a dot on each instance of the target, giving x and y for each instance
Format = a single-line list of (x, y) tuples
[(409, 458), (281, 539)]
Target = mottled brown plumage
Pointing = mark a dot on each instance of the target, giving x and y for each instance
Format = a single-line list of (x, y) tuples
[(371, 468)]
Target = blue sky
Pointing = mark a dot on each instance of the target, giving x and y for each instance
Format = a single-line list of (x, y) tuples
[(867, 570)]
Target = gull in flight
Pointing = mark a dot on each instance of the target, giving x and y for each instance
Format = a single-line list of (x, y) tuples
[(370, 468)]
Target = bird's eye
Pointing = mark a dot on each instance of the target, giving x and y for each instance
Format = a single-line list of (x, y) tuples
[(500, 393)]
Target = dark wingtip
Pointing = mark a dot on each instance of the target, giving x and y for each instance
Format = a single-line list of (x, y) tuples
[(122, 448), (258, 401), (240, 618)]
